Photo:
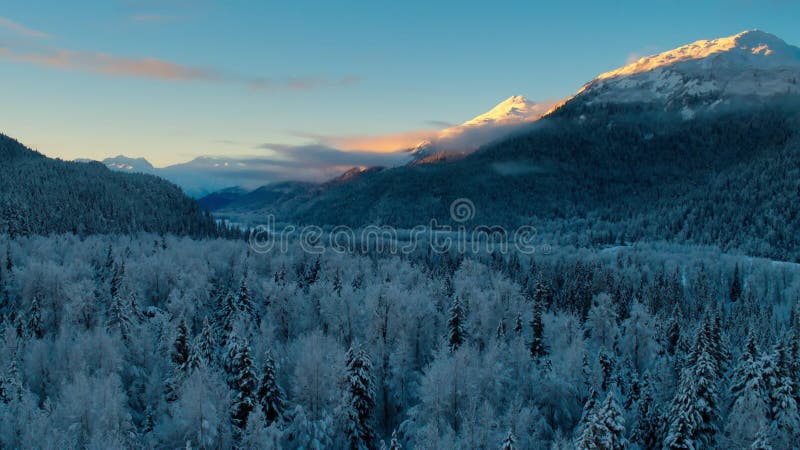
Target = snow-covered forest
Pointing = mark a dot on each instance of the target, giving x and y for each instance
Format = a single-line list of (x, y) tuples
[(148, 341)]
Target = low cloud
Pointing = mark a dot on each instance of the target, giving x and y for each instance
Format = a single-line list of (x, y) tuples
[(320, 156), (372, 143)]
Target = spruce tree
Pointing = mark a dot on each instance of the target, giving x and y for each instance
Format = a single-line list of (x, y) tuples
[(785, 415), (35, 326), (735, 292), (245, 384), (359, 401), (455, 325), (118, 317), (749, 408), (270, 395), (180, 346), (647, 432), (207, 343), (536, 346), (612, 424)]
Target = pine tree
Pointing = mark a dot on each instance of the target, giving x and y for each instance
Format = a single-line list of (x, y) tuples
[(337, 283), (705, 393), (180, 346), (537, 348), (118, 317), (359, 400), (603, 426), (785, 414), (116, 280), (12, 385), (749, 399), (607, 369), (179, 356), (455, 325), (736, 285), (612, 423), (245, 384), (35, 326), (647, 432), (501, 331), (518, 324), (673, 332), (207, 343), (270, 395), (589, 425), (244, 302)]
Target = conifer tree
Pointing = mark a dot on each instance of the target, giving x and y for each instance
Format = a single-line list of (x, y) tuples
[(537, 348), (785, 414), (749, 400), (736, 285), (245, 384), (118, 317), (455, 325), (180, 346), (270, 395), (647, 432), (359, 400), (35, 327), (207, 343)]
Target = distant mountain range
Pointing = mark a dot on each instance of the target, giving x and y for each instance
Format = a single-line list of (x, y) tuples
[(206, 175), (662, 148), (39, 195)]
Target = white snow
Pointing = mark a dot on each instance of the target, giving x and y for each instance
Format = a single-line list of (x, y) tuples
[(751, 63)]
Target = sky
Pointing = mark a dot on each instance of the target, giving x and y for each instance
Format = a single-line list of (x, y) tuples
[(170, 80)]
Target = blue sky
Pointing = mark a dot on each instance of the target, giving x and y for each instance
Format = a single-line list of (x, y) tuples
[(173, 79)]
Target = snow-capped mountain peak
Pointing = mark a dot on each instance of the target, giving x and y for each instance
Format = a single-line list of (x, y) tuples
[(514, 109), (752, 64), (460, 140), (747, 48)]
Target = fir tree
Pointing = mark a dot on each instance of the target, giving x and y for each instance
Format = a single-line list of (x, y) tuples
[(359, 401), (118, 317), (180, 346), (455, 325), (647, 432), (116, 280), (749, 399), (245, 384), (207, 343), (35, 327), (270, 395), (536, 346), (785, 414), (736, 285), (612, 423)]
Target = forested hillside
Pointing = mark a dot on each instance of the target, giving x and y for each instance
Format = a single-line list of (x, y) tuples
[(621, 173), (144, 342), (41, 195)]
